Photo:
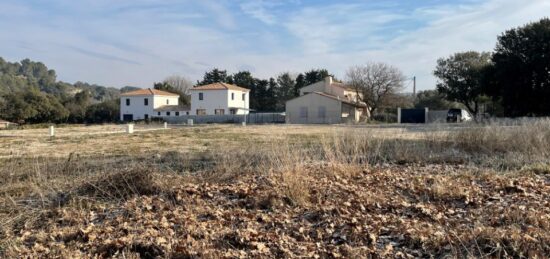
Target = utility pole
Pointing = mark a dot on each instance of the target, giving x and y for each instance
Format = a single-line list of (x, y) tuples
[(414, 86)]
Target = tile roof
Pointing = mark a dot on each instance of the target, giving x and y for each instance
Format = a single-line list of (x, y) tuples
[(362, 105), (148, 91), (220, 86)]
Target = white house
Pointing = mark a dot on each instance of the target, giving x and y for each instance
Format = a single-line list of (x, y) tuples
[(144, 104), (219, 99), (325, 102)]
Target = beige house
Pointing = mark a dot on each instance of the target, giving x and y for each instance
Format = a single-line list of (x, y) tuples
[(325, 102)]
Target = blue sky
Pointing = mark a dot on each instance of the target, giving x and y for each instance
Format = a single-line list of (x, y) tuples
[(138, 42)]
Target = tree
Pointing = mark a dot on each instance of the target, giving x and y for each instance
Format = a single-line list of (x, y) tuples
[(270, 98), (285, 90), (107, 111), (77, 106), (315, 75), (433, 100), (520, 77), (184, 98), (375, 82), (259, 95), (32, 106), (215, 76), (181, 86), (461, 78), (246, 80), (179, 83), (300, 82)]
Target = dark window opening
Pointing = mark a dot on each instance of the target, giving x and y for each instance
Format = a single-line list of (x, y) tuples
[(146, 101), (201, 97), (127, 102)]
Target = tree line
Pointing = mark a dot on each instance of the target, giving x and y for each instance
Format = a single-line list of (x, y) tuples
[(267, 95), (30, 93), (512, 81)]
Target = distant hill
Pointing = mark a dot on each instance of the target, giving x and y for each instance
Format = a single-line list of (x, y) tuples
[(30, 93), (15, 76)]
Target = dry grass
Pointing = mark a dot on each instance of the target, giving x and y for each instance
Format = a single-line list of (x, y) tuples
[(435, 190)]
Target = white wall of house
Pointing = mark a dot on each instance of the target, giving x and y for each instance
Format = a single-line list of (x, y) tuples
[(136, 106), (238, 101), (313, 108), (138, 109), (219, 100), (160, 100)]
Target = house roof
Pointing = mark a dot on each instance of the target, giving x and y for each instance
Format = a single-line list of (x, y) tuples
[(220, 86), (342, 85), (169, 108), (361, 105), (148, 91)]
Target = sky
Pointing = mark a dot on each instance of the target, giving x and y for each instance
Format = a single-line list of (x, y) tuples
[(139, 42)]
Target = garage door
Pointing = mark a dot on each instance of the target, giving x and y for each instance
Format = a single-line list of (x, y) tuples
[(413, 116)]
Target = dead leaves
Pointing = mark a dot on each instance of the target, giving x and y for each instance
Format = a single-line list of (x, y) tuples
[(390, 212)]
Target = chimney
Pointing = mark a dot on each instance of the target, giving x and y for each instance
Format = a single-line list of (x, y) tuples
[(328, 80)]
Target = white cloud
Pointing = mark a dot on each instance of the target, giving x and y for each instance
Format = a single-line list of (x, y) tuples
[(257, 9)]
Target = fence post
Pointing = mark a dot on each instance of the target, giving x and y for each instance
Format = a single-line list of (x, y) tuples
[(190, 122), (426, 110), (129, 128), (399, 115), (52, 131), (165, 125)]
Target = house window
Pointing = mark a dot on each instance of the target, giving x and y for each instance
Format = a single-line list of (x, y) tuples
[(219, 111), (177, 113), (187, 113), (232, 96), (322, 112), (159, 113), (146, 101), (167, 113), (201, 97), (127, 101), (233, 111), (146, 116), (303, 112), (201, 112), (167, 101), (244, 97)]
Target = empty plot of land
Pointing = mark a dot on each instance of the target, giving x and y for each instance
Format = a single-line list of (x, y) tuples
[(112, 139)]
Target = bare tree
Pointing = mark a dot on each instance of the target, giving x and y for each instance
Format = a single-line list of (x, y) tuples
[(181, 86), (375, 82), (180, 83)]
